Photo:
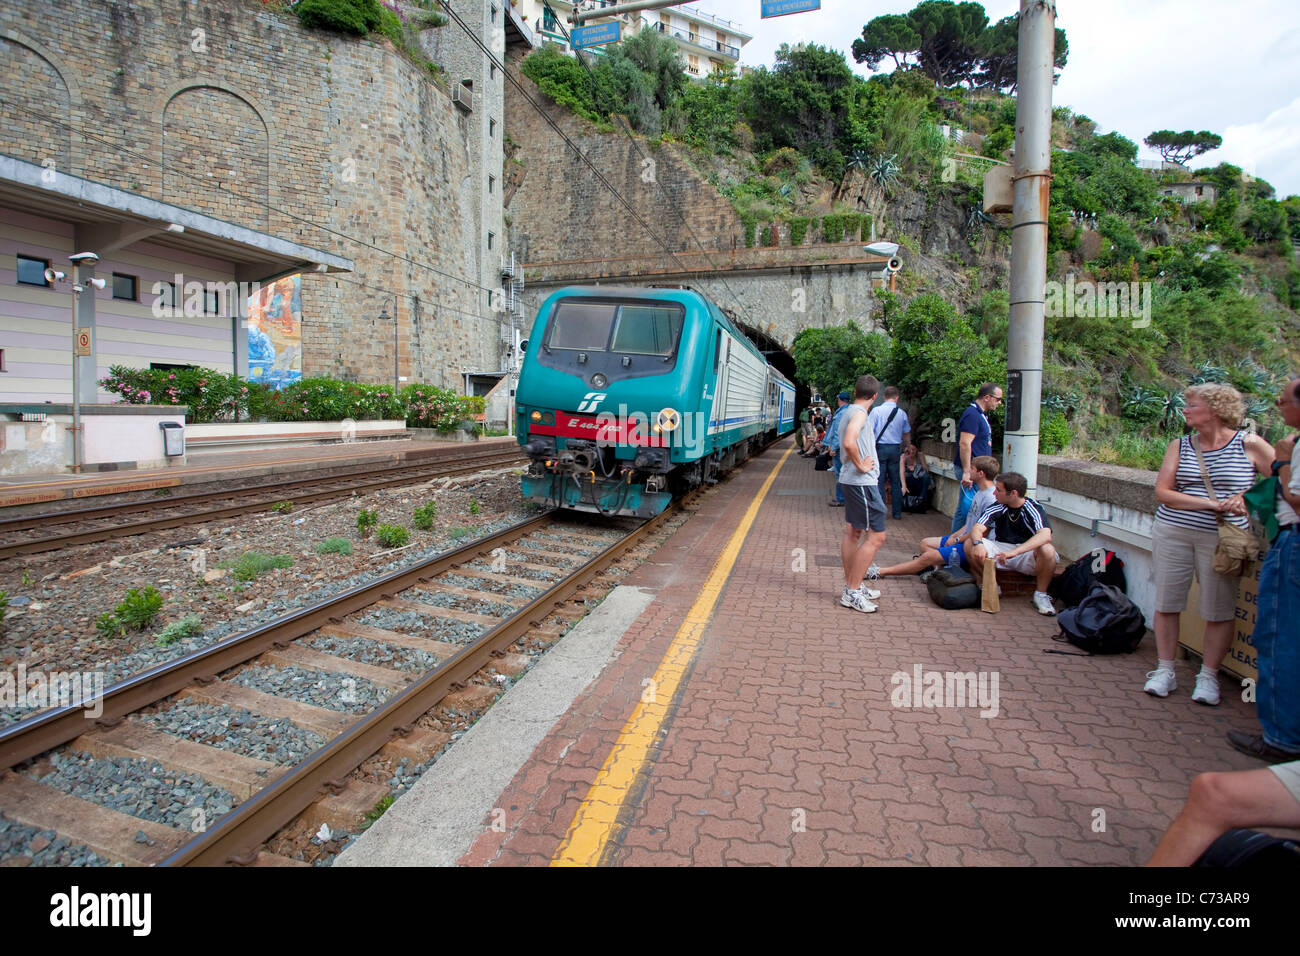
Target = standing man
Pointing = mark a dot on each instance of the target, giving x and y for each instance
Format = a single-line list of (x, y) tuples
[(833, 443), (893, 433), (974, 438), (1277, 610), (864, 511)]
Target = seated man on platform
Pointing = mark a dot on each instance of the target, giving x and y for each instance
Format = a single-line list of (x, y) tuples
[(1015, 533), (948, 549)]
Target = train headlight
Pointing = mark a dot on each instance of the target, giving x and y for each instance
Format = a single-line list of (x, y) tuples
[(668, 421), (599, 380), (548, 418), (536, 416)]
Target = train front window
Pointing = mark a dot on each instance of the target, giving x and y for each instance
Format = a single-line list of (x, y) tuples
[(581, 325), (647, 330)]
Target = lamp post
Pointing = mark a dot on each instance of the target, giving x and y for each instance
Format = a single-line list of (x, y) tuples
[(87, 260), (383, 317)]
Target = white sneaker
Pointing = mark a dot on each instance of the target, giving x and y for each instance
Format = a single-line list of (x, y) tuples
[(871, 593), (873, 573), (856, 600), (1043, 603), (1207, 690), (1160, 683)]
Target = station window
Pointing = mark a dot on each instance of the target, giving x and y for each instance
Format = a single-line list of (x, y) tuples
[(492, 127), (492, 181), (2, 361), (494, 14), (211, 302), (491, 239), (492, 71), (124, 287), (32, 271)]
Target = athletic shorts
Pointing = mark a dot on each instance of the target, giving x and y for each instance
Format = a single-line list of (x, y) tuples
[(863, 507), (1024, 563), (953, 553), (1289, 774)]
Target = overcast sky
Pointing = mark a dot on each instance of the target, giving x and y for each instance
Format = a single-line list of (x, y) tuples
[(1134, 67)]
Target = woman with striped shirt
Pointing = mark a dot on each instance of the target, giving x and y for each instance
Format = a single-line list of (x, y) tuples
[(1186, 529)]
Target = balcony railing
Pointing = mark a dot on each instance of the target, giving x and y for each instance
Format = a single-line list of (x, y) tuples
[(714, 46)]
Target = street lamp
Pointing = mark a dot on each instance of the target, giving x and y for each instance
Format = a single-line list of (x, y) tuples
[(383, 317), (87, 259)]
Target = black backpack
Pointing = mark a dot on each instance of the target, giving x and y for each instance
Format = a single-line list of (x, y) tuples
[(1072, 585), (1251, 849), (1105, 622), (953, 589)]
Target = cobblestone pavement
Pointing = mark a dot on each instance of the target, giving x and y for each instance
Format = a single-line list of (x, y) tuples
[(784, 747)]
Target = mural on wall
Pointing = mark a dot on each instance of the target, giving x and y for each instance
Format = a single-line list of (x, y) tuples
[(275, 333)]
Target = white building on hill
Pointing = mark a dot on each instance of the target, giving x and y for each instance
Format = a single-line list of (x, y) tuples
[(706, 42)]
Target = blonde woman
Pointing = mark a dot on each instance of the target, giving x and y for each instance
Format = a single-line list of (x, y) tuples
[(1186, 529)]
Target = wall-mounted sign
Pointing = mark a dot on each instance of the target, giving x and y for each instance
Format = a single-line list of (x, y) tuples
[(597, 34), (82, 340), (779, 8)]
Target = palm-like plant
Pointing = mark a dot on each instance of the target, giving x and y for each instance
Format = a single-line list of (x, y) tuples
[(1209, 373), (884, 170), (1171, 411), (1143, 403)]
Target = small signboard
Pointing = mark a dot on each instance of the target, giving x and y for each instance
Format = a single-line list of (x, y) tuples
[(597, 34), (779, 8), (82, 342)]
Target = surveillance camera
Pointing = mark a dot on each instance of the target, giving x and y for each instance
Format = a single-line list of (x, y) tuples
[(87, 258), (54, 275)]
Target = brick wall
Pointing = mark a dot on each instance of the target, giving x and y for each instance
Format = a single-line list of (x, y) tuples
[(302, 134)]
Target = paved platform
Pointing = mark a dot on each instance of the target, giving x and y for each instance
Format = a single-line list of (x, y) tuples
[(243, 464), (776, 733)]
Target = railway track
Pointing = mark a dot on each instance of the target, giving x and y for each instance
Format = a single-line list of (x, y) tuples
[(29, 534), (512, 582)]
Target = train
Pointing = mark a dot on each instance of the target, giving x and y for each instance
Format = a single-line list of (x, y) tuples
[(630, 396)]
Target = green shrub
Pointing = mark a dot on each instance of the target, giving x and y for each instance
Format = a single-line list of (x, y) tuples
[(798, 229), (356, 17), (208, 394), (366, 520), (772, 235), (425, 515), (252, 563), (750, 223), (188, 626), (473, 506), (282, 507), (1053, 433), (832, 228), (334, 546), (4, 603), (457, 533), (391, 535), (136, 612)]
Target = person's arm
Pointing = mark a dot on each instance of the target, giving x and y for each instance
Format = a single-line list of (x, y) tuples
[(1041, 537), (1165, 493), (967, 473), (850, 444), (977, 533), (1260, 453), (1283, 451)]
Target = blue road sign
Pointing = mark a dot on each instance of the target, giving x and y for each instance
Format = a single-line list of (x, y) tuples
[(779, 8), (596, 35)]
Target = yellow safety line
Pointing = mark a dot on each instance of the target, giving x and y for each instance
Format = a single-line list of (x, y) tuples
[(596, 821)]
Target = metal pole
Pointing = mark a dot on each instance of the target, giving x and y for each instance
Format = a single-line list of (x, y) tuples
[(76, 378), (579, 17), (1031, 175), (395, 377)]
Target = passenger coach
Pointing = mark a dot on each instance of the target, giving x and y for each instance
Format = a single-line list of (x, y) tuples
[(629, 396)]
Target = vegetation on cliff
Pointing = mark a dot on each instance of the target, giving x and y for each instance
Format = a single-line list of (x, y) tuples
[(811, 144)]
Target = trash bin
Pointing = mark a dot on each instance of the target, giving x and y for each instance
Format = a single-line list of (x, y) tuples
[(173, 439)]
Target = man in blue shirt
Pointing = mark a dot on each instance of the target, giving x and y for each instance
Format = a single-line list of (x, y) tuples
[(833, 443), (974, 438), (893, 432)]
